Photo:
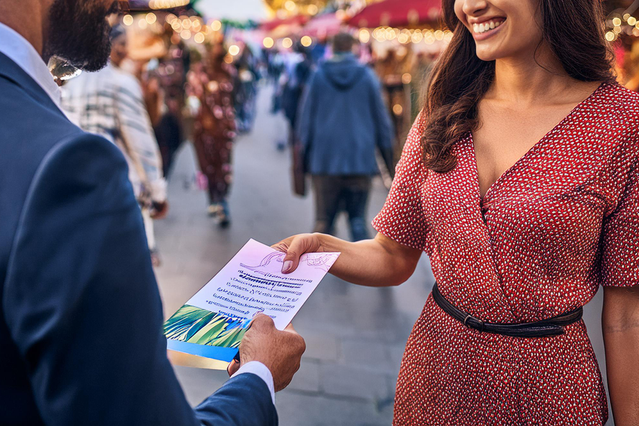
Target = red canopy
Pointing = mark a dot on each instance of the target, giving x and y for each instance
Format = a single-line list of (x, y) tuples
[(294, 20), (397, 13), (324, 25)]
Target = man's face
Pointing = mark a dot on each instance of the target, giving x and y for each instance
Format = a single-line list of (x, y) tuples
[(79, 32)]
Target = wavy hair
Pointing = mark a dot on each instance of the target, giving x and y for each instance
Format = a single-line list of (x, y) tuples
[(572, 28)]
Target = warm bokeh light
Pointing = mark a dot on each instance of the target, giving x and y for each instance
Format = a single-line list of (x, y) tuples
[(287, 43), (216, 25), (151, 18), (290, 5), (632, 20), (313, 9), (167, 4), (268, 42), (127, 20), (407, 78), (306, 41), (398, 109), (199, 38), (142, 24), (364, 36), (616, 22), (186, 34), (610, 36), (234, 50)]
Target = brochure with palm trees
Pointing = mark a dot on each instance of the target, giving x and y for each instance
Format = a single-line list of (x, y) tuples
[(212, 323)]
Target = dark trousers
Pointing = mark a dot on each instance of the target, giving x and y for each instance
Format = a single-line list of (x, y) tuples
[(334, 194)]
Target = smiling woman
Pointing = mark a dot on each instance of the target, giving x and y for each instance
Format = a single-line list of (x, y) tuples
[(520, 180), (547, 28)]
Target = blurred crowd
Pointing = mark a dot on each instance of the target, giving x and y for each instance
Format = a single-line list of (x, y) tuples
[(149, 100)]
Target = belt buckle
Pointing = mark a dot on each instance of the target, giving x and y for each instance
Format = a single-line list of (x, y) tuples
[(481, 323)]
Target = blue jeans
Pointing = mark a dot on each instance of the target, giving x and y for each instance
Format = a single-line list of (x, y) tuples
[(334, 194)]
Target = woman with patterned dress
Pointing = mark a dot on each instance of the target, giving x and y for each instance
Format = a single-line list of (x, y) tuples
[(520, 181), (212, 82)]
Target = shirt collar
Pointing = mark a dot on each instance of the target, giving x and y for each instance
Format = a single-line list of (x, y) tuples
[(20, 51)]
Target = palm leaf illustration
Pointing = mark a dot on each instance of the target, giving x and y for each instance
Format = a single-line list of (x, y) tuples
[(209, 331), (200, 326)]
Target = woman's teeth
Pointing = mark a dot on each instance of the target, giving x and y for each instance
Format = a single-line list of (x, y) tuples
[(486, 26)]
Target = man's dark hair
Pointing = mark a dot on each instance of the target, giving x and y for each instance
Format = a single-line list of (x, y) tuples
[(79, 32), (343, 43)]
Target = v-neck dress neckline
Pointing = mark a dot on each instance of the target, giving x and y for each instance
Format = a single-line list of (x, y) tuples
[(534, 148)]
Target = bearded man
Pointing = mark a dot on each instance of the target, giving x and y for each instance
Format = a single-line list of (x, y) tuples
[(80, 312)]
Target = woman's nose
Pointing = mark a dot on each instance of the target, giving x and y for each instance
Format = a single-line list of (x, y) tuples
[(474, 7)]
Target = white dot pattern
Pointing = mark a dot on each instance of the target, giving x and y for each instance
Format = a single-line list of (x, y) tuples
[(559, 223)]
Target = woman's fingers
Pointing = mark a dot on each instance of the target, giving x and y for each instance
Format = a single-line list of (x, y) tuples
[(295, 247)]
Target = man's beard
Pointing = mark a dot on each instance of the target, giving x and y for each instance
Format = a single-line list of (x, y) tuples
[(79, 32)]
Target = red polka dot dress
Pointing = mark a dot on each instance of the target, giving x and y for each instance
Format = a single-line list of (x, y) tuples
[(560, 222)]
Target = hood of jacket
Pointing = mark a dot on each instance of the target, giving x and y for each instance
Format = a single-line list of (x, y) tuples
[(343, 72)]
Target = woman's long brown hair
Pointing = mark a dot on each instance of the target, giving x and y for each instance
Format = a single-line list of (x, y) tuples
[(572, 28)]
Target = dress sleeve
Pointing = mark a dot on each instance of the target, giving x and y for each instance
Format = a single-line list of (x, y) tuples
[(620, 232), (402, 217)]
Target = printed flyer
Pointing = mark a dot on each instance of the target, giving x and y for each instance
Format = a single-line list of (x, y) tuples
[(212, 323)]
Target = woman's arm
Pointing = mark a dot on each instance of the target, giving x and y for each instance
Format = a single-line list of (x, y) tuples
[(380, 262), (620, 322)]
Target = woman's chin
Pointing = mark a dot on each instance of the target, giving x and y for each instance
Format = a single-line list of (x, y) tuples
[(489, 54)]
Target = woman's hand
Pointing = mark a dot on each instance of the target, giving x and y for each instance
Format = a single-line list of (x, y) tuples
[(380, 262), (295, 247)]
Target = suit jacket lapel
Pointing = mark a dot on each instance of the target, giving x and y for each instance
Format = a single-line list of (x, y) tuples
[(12, 72)]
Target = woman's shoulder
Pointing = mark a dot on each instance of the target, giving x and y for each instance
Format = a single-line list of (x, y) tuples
[(621, 102)]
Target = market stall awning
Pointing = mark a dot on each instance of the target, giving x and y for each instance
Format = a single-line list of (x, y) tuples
[(296, 20), (397, 13), (324, 25)]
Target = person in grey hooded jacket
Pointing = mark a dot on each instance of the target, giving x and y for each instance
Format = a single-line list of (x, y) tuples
[(342, 122)]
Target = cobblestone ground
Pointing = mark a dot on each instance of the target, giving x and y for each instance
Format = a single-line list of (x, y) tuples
[(355, 335)]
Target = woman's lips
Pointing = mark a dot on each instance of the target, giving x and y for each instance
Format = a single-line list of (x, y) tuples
[(486, 29)]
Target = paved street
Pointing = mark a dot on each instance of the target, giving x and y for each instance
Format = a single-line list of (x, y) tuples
[(355, 335)]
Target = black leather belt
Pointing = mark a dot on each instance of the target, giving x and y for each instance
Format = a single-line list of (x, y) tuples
[(548, 327)]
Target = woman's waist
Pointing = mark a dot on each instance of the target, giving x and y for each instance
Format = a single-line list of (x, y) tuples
[(574, 334), (512, 303)]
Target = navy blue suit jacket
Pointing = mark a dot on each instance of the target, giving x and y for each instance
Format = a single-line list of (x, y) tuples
[(81, 338)]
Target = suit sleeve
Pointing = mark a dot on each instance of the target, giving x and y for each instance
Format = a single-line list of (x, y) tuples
[(83, 306)]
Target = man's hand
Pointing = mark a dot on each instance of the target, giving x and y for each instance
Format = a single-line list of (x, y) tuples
[(279, 351)]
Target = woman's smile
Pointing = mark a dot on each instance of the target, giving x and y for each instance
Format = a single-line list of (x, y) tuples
[(486, 28)]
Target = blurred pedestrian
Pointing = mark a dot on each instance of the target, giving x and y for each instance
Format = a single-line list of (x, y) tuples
[(245, 89), (172, 71), (110, 103), (212, 83), (343, 122)]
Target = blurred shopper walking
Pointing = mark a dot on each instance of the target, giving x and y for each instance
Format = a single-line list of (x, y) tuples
[(110, 103), (343, 120), (212, 83)]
